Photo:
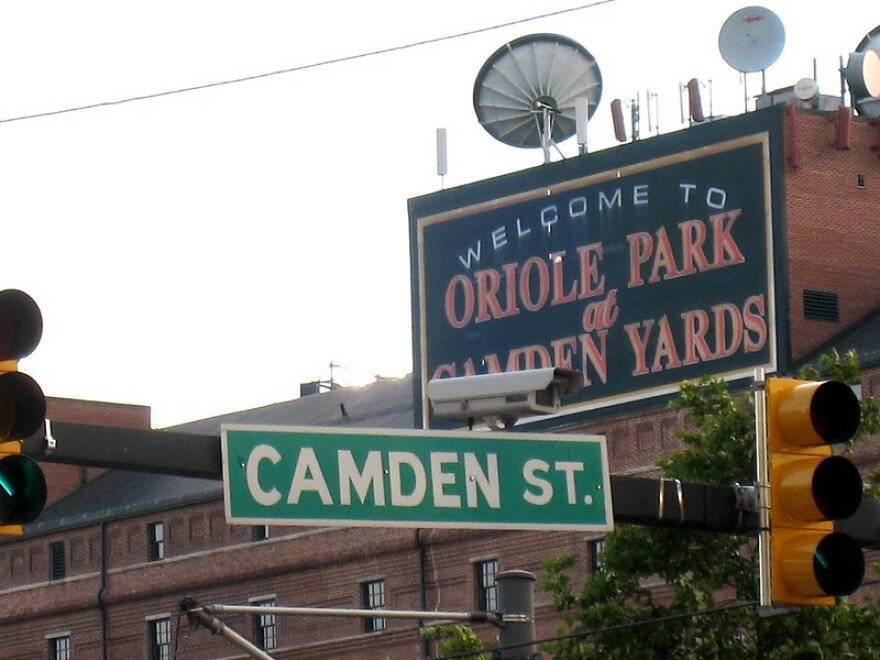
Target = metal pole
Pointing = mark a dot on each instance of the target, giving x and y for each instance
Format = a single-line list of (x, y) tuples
[(469, 617), (197, 614), (516, 600), (762, 491)]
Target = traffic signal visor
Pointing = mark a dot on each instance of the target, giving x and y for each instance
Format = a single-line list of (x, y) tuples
[(810, 488)]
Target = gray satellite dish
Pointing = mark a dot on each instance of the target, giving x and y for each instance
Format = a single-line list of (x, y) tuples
[(525, 95), (862, 73), (751, 39)]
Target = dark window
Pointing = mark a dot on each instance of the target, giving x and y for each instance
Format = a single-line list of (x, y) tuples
[(160, 639), (820, 306), (485, 573), (373, 598), (57, 563), (861, 181), (59, 648), (260, 532), (157, 541), (265, 628)]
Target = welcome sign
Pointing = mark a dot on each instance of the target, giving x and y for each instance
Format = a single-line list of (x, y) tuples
[(641, 275)]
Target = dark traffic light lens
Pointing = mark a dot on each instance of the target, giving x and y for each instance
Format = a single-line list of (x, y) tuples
[(837, 488), (835, 412), (22, 406)]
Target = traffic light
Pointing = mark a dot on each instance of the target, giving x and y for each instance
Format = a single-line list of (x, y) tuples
[(22, 410), (810, 488)]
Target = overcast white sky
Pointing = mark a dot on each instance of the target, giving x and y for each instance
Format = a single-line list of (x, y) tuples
[(208, 251)]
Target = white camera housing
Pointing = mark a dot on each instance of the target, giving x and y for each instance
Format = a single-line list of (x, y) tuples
[(503, 396)]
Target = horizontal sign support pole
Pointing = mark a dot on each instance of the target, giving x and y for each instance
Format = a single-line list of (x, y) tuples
[(635, 500), (470, 617), (122, 448)]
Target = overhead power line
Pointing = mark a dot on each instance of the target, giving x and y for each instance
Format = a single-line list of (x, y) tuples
[(304, 67)]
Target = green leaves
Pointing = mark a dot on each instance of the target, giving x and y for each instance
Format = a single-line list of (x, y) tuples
[(661, 592)]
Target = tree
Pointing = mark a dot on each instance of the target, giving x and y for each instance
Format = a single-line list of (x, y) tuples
[(455, 640), (692, 594)]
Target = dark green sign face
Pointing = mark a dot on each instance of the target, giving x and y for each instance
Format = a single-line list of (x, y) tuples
[(654, 270), (308, 476)]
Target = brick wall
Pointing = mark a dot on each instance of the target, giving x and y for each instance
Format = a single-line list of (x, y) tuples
[(833, 227)]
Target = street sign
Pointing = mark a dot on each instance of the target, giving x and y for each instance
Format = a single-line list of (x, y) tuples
[(392, 478)]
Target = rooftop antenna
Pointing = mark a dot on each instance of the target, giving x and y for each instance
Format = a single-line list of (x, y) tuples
[(750, 40), (653, 118), (525, 95), (442, 165)]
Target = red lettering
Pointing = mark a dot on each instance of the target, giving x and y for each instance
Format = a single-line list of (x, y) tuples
[(459, 284), (592, 284), (525, 284), (753, 319)]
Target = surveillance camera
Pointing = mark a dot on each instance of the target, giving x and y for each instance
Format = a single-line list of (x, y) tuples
[(503, 396)]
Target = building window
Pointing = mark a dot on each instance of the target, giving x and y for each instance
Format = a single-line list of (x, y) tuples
[(160, 639), (861, 181), (59, 647), (594, 552), (156, 541), (373, 598), (260, 532), (57, 562), (821, 306), (485, 573), (265, 627)]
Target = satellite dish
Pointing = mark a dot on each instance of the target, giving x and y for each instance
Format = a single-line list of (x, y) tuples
[(806, 89), (525, 95), (862, 73), (751, 39)]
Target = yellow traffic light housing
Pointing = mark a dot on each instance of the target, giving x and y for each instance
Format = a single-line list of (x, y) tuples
[(810, 488), (22, 411)]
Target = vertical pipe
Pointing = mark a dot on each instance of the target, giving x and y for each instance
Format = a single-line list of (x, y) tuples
[(423, 589), (762, 492), (102, 605), (516, 596)]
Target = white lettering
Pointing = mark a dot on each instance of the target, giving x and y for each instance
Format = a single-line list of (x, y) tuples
[(489, 484), (308, 477), (397, 459), (546, 488), (371, 476), (439, 479), (252, 470)]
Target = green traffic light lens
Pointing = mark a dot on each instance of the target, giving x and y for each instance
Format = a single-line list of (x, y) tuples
[(22, 490), (838, 564)]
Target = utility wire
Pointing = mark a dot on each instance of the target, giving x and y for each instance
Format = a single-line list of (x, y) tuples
[(304, 67), (613, 628)]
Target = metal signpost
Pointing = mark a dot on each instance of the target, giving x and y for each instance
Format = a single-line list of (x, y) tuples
[(385, 478)]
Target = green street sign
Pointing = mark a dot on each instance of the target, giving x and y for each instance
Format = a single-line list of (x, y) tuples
[(391, 478)]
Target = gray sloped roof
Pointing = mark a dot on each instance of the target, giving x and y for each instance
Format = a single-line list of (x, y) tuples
[(862, 336), (385, 404)]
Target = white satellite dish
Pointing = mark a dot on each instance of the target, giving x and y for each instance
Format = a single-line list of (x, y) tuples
[(806, 89), (526, 94), (751, 39)]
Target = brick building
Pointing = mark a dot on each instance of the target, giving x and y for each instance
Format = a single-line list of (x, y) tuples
[(103, 570)]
